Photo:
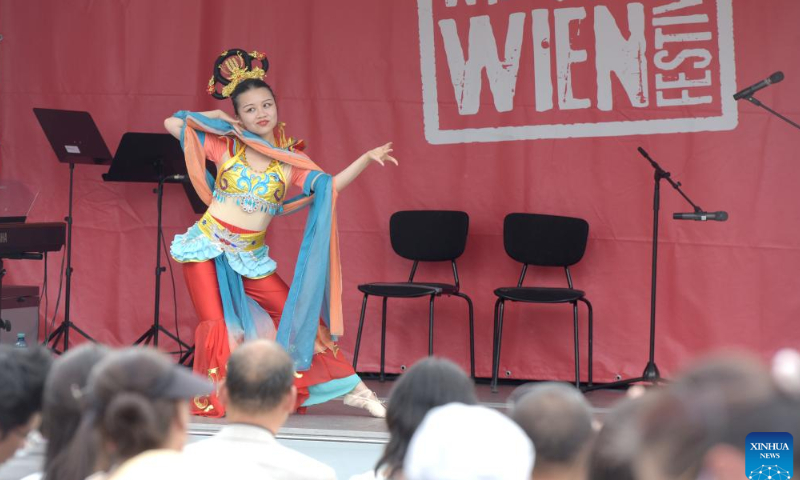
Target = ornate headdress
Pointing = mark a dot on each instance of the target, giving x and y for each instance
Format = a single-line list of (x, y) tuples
[(233, 67)]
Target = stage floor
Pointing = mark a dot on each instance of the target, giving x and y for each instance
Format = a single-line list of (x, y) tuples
[(335, 422)]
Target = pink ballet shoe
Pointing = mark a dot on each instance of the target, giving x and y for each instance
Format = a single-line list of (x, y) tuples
[(367, 400)]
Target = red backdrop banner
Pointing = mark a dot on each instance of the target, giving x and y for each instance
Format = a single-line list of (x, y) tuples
[(494, 107)]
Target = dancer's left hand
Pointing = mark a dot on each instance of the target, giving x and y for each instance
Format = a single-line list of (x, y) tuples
[(381, 154)]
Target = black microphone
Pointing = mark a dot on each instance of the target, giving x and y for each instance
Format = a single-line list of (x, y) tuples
[(701, 216), (747, 92)]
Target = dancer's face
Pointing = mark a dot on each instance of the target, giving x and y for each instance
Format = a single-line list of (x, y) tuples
[(257, 111)]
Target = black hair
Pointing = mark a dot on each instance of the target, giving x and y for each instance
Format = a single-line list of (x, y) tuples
[(260, 374), (121, 418), (429, 383), (22, 376), (61, 406), (249, 84)]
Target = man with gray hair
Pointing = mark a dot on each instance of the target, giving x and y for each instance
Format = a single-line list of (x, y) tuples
[(558, 420), (259, 393)]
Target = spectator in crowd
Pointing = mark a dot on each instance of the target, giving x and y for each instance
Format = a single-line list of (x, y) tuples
[(468, 442), (61, 404), (136, 411), (786, 371), (697, 426), (259, 394), (615, 447), (22, 376), (558, 420), (429, 383)]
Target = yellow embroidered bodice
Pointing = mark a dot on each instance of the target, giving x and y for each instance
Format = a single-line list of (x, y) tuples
[(252, 190)]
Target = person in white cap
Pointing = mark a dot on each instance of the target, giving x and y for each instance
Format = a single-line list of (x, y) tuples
[(429, 383), (466, 442)]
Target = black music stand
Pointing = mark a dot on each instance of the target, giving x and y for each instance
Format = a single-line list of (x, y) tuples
[(153, 158), (75, 139)]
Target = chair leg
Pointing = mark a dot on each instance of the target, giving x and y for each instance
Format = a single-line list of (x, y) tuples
[(471, 335), (494, 331), (577, 345), (430, 328), (498, 335), (383, 339), (494, 345), (589, 306), (360, 327)]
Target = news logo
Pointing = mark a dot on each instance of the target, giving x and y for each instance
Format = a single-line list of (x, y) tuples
[(769, 456), (533, 69)]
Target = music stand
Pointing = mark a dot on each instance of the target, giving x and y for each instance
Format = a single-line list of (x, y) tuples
[(75, 139), (152, 158)]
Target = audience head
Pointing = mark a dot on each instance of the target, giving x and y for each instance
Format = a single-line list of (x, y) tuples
[(786, 371), (429, 383), (22, 376), (465, 442), (61, 406), (260, 380), (558, 420), (615, 447), (135, 400), (698, 425)]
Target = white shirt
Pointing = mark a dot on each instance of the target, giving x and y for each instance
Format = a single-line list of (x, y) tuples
[(250, 444), (170, 464), (371, 475)]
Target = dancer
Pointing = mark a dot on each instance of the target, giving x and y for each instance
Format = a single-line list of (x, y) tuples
[(231, 279)]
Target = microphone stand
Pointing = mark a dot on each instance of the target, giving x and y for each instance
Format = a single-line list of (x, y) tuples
[(757, 103), (651, 373)]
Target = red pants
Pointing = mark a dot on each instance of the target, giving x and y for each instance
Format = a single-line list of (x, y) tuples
[(211, 336)]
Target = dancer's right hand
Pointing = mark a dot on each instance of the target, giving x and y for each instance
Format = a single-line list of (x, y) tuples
[(234, 122)]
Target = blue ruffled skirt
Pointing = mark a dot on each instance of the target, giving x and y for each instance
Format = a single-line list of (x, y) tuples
[(207, 239)]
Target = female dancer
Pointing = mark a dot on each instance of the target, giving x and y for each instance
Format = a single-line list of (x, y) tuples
[(231, 279)]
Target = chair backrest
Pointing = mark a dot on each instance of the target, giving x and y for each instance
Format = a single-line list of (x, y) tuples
[(429, 235), (545, 240)]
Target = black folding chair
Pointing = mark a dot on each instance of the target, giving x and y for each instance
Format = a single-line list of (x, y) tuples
[(422, 236), (543, 241)]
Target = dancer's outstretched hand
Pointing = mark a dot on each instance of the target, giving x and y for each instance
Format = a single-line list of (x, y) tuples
[(381, 154)]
